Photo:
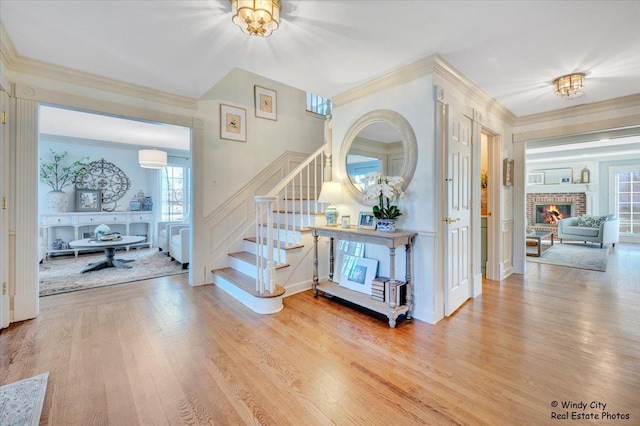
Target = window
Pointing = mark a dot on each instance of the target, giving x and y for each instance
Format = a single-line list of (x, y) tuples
[(318, 104), (627, 189), (174, 195)]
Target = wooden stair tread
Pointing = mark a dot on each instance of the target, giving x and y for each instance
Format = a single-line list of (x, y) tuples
[(251, 258), (283, 246), (245, 282)]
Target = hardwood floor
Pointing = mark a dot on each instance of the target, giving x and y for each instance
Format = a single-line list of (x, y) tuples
[(161, 352)]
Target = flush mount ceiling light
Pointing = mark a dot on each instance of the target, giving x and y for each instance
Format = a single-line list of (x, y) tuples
[(152, 158), (256, 17), (569, 85)]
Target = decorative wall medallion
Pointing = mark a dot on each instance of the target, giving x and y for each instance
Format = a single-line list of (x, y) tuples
[(107, 177)]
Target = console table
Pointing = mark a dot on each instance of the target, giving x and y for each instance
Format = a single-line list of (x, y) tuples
[(391, 240), (71, 226)]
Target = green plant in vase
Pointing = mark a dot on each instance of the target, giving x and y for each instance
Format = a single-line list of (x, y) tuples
[(58, 175)]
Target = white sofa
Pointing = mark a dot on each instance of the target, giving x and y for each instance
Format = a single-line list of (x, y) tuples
[(595, 229), (179, 243)]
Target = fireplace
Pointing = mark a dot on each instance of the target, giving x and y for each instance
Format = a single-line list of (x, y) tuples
[(551, 213)]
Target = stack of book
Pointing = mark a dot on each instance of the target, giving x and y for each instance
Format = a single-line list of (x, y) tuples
[(377, 288)]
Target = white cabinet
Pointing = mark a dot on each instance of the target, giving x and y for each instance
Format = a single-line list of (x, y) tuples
[(73, 226)]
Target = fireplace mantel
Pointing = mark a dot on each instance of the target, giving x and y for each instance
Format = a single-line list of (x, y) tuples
[(588, 188)]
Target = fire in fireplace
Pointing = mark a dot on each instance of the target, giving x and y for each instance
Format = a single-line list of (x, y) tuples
[(551, 214)]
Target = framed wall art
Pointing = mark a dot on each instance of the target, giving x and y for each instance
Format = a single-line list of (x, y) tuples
[(507, 172), (88, 200), (266, 103), (535, 178), (233, 123)]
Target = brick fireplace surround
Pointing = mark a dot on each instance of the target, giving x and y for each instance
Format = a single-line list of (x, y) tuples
[(579, 200)]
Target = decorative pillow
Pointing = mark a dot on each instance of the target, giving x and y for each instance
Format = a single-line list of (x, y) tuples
[(588, 221)]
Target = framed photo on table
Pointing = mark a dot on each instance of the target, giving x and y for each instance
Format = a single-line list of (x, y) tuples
[(233, 123), (88, 200), (366, 220), (266, 103)]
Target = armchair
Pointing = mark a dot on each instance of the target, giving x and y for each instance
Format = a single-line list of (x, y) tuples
[(163, 235), (603, 230), (179, 244)]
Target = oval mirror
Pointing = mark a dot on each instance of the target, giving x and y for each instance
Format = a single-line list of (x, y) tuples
[(380, 141)]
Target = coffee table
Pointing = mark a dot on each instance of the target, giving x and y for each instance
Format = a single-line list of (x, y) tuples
[(538, 236), (109, 251)]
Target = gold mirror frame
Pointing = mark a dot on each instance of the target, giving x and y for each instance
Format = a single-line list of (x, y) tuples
[(409, 147)]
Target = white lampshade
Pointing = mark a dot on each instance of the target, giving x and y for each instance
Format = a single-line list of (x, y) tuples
[(152, 158), (331, 192)]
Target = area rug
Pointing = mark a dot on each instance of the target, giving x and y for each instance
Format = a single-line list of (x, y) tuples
[(21, 402), (574, 255), (65, 274)]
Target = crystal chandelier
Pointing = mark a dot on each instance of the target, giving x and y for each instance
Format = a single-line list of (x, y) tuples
[(569, 85), (256, 17)]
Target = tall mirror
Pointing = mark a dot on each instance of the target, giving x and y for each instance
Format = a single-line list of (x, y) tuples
[(381, 141)]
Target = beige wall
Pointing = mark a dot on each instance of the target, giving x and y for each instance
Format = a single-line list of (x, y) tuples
[(229, 165)]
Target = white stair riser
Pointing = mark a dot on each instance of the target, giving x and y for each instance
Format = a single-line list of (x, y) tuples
[(247, 268), (292, 237), (298, 219), (301, 206), (269, 305), (251, 248)]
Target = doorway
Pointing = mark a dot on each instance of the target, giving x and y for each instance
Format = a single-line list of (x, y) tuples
[(101, 154)]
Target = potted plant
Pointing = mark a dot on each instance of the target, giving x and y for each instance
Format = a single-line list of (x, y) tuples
[(384, 189), (58, 176)]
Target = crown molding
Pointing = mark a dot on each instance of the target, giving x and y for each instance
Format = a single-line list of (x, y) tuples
[(17, 63), (580, 110), (394, 78), (437, 66), (473, 93)]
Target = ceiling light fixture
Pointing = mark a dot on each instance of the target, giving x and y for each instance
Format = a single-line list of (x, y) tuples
[(569, 85), (256, 17), (152, 158)]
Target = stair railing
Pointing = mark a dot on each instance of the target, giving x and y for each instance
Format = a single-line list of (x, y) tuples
[(286, 210)]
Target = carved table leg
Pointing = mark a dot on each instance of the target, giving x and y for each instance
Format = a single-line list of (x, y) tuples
[(408, 277), (315, 266)]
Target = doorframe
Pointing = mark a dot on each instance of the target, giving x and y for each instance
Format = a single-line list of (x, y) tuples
[(5, 313), (494, 149), (26, 289)]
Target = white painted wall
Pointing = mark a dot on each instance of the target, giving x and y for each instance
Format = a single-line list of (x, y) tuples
[(414, 101), (124, 157)]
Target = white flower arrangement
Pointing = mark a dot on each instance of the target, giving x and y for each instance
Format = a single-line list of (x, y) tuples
[(102, 229), (380, 187)]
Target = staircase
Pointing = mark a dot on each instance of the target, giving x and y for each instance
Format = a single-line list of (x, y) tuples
[(277, 256)]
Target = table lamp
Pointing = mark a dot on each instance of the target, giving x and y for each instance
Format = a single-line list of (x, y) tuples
[(330, 193)]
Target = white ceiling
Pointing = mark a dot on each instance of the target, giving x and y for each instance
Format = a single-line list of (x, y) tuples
[(511, 49), (84, 125)]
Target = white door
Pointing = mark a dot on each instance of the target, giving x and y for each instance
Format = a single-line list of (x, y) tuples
[(457, 210)]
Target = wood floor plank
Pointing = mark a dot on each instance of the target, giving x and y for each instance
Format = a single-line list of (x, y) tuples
[(161, 352)]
